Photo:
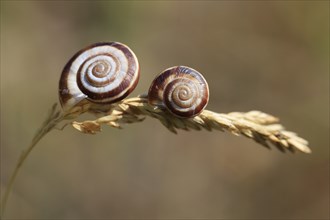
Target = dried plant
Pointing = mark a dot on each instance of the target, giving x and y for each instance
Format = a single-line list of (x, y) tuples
[(54, 117), (259, 126)]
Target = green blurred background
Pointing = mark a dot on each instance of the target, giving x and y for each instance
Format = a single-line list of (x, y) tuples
[(269, 56)]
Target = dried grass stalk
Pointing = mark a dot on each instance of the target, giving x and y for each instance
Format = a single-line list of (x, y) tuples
[(259, 126), (54, 117)]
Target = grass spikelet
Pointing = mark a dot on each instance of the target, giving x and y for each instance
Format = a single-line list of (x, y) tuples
[(261, 127)]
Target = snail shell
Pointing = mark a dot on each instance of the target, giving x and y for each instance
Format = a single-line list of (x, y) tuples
[(182, 90), (100, 74)]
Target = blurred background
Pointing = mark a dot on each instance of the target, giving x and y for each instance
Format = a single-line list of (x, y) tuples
[(268, 56)]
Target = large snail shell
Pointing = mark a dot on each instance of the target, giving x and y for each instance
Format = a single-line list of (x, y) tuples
[(101, 73), (182, 90)]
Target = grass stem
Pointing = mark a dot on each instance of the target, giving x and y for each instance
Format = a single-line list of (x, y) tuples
[(55, 116)]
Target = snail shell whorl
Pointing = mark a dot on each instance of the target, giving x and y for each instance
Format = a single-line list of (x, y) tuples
[(182, 90), (101, 73)]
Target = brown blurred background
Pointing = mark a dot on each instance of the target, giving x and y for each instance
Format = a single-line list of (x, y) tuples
[(269, 56)]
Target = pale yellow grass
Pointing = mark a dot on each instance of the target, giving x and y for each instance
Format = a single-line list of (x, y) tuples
[(261, 127)]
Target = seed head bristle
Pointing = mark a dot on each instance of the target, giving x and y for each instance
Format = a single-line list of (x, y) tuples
[(256, 125)]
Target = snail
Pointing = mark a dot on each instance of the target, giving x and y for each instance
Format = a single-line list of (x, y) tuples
[(100, 74), (181, 90)]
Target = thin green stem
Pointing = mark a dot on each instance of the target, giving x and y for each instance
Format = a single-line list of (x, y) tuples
[(52, 120)]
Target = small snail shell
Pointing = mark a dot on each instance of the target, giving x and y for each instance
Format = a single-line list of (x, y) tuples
[(102, 73), (182, 90)]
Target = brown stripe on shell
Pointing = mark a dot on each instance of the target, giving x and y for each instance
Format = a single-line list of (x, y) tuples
[(98, 97), (78, 76), (132, 69), (90, 80), (64, 93), (157, 86), (157, 97)]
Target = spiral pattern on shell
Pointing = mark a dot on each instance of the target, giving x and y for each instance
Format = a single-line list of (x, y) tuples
[(101, 73), (182, 90)]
